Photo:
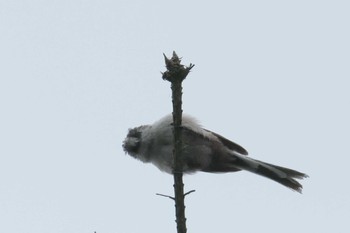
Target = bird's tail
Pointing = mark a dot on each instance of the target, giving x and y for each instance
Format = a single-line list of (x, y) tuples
[(282, 175)]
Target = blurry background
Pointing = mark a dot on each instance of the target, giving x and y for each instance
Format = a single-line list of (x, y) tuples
[(75, 75)]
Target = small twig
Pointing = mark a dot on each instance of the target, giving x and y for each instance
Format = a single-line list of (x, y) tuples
[(159, 194), (189, 192)]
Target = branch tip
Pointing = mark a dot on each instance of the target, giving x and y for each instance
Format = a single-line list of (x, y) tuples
[(175, 70)]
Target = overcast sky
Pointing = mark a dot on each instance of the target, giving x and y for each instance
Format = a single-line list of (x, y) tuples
[(272, 76)]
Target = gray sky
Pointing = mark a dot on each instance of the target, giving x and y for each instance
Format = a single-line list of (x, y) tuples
[(75, 75)]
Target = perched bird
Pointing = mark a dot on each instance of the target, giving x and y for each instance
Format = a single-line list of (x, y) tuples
[(202, 150)]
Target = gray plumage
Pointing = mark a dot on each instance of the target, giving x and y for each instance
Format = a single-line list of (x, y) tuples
[(202, 150)]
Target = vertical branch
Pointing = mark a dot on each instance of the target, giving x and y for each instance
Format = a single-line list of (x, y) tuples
[(175, 74)]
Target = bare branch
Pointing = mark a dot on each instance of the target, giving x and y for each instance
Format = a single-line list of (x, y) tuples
[(176, 73)]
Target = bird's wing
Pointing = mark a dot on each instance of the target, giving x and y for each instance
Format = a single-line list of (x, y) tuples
[(229, 144), (213, 159)]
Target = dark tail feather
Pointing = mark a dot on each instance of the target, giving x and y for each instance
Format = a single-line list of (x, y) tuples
[(282, 175)]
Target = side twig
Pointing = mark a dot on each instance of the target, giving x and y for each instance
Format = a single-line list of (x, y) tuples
[(162, 195)]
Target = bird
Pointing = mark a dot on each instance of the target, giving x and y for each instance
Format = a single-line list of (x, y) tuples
[(202, 150)]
